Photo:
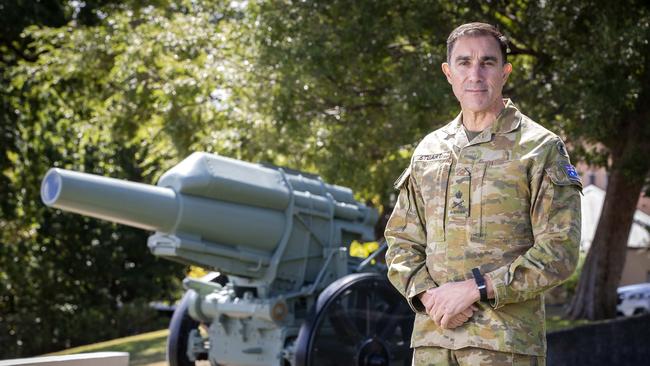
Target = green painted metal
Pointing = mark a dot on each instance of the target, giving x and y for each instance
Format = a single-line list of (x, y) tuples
[(279, 235), (220, 213)]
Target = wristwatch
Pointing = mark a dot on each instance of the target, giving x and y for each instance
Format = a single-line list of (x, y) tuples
[(480, 283)]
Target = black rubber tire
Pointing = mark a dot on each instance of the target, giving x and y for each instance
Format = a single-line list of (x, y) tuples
[(350, 340), (179, 330)]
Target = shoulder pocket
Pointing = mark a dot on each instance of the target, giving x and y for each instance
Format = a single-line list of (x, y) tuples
[(402, 178), (562, 173)]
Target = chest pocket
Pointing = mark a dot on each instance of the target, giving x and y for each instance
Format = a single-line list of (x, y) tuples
[(504, 211), (432, 176)]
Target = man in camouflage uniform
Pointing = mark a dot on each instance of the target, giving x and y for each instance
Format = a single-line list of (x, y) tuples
[(491, 198)]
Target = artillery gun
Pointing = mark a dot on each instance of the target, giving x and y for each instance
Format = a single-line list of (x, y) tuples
[(284, 290)]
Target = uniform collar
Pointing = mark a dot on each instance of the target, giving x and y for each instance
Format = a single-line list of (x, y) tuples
[(507, 121)]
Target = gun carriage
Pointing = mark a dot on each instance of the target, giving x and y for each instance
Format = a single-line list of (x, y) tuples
[(284, 290)]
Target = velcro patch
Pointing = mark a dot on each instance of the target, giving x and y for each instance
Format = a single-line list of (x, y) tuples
[(562, 149)]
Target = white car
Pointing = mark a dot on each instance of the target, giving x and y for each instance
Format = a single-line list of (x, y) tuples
[(633, 299)]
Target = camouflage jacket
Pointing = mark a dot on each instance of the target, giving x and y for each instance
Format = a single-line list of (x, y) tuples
[(507, 202)]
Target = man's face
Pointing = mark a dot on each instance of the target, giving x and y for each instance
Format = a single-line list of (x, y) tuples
[(477, 73)]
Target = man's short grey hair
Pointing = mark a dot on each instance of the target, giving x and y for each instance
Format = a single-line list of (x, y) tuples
[(476, 30)]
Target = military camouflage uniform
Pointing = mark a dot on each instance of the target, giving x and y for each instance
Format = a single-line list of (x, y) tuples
[(508, 203), (435, 356)]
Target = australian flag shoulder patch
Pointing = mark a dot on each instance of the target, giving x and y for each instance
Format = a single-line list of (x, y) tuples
[(570, 172)]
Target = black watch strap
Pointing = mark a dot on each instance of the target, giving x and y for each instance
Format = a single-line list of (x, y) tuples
[(480, 283)]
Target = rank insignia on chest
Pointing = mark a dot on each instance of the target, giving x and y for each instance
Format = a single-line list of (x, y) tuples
[(458, 204)]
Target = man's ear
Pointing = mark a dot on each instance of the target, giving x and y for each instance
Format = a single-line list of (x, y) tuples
[(447, 71), (507, 69)]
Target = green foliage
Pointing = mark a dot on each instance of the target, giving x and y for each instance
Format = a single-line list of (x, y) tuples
[(362, 250)]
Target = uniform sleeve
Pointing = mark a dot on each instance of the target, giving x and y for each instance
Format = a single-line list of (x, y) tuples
[(406, 238), (555, 218)]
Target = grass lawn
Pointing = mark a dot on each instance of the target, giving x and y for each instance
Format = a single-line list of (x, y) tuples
[(556, 322), (144, 349)]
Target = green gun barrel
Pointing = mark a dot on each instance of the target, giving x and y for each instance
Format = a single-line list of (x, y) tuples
[(133, 204), (162, 209), (243, 218)]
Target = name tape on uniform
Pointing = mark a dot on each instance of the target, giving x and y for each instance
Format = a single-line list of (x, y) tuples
[(430, 157)]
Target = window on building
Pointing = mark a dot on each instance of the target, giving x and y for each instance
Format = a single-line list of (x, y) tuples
[(592, 178)]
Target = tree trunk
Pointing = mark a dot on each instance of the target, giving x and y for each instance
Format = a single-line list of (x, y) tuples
[(596, 295)]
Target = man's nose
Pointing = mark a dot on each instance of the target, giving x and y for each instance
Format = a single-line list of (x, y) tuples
[(476, 72)]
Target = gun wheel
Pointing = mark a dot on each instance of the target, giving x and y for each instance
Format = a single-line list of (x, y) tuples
[(180, 327), (179, 330), (358, 320)]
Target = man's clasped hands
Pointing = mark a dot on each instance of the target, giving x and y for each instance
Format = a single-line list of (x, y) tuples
[(451, 304)]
